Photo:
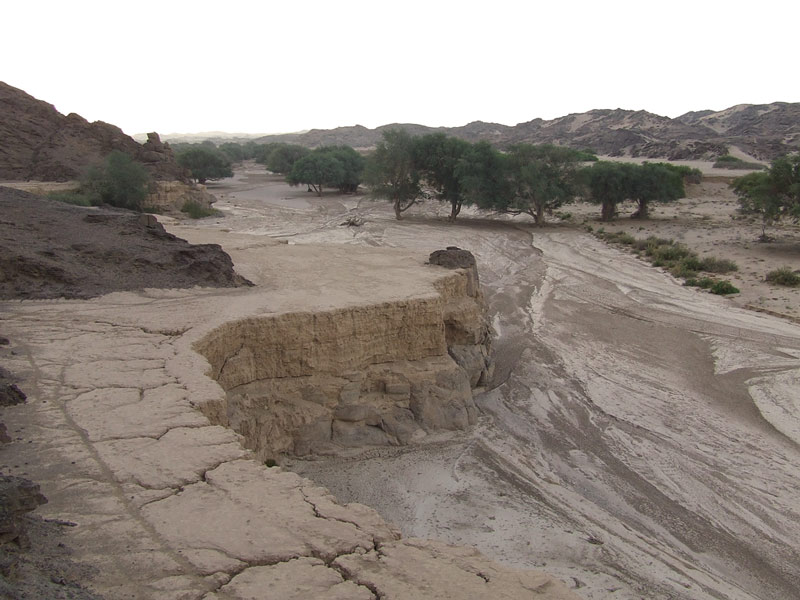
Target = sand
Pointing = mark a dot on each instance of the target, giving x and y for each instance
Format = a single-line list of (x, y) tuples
[(642, 439)]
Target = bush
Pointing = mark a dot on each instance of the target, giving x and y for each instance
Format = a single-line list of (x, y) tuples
[(723, 288), (73, 197), (684, 269), (784, 276), (717, 265), (732, 162), (120, 181), (198, 211), (669, 253)]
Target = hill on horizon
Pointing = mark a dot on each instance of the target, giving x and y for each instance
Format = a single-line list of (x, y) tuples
[(763, 131)]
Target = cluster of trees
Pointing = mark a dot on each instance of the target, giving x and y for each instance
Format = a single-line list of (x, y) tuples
[(773, 194), (531, 179)]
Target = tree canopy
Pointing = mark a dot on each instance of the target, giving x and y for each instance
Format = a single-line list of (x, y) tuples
[(542, 178), (282, 157), (774, 194), (437, 157), (204, 162), (339, 167), (392, 170), (316, 170), (610, 183)]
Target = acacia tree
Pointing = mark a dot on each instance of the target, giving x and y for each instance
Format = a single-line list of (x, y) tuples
[(654, 182), (608, 184), (352, 167), (482, 175), (543, 178), (316, 170), (204, 162), (391, 171), (282, 157), (437, 156), (774, 194)]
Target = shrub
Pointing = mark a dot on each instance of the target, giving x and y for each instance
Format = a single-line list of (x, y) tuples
[(712, 264), (670, 253), (197, 211), (732, 162), (723, 288), (72, 197), (784, 276), (626, 239), (120, 181), (684, 269)]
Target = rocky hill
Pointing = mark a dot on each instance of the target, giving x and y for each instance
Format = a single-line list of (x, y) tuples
[(763, 131), (51, 250), (39, 143)]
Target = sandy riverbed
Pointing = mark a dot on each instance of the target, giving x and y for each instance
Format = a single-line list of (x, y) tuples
[(641, 438)]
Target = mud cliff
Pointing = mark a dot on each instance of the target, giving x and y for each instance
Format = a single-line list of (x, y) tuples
[(380, 374)]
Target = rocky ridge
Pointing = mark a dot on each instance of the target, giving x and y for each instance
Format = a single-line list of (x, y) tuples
[(763, 131)]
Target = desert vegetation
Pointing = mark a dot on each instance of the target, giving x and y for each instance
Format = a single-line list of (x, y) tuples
[(732, 162), (772, 195), (118, 181), (205, 161), (679, 260), (783, 276)]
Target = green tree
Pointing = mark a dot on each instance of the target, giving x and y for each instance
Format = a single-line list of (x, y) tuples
[(543, 178), (483, 176), (352, 167), (772, 195), (234, 151), (437, 157), (654, 182), (283, 157), (205, 162), (391, 171), (316, 170), (119, 181), (608, 184)]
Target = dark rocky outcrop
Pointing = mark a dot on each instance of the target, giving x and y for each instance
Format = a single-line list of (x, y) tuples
[(51, 250), (18, 497)]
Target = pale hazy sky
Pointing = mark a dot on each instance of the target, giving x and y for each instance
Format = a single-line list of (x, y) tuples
[(237, 66)]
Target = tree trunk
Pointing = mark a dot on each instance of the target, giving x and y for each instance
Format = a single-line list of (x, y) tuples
[(643, 211), (455, 209), (398, 213), (539, 216), (608, 211)]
